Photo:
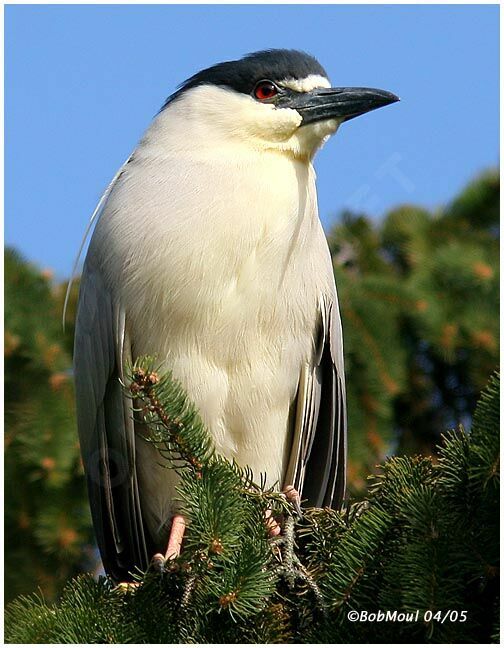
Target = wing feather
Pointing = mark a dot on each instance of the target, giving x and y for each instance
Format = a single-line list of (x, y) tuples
[(317, 465), (106, 427)]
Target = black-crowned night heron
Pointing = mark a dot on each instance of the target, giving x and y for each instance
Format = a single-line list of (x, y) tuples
[(209, 253)]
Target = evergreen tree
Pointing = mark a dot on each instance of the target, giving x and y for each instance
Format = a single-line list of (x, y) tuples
[(47, 520), (425, 539), (419, 295)]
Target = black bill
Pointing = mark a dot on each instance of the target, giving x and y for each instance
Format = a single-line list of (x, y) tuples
[(336, 103)]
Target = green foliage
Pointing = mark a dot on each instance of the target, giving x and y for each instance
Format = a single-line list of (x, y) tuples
[(47, 523), (425, 539), (419, 296)]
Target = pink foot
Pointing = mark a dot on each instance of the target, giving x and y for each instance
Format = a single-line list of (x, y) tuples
[(293, 497), (271, 524)]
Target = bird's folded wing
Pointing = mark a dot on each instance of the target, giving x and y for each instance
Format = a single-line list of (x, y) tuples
[(317, 463), (106, 428)]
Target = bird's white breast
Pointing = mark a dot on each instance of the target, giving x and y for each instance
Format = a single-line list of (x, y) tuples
[(220, 261)]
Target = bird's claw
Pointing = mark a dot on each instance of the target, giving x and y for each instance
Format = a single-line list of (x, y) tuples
[(294, 498), (158, 563), (271, 524)]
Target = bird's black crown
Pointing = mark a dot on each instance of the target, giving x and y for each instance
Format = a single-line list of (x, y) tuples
[(243, 74)]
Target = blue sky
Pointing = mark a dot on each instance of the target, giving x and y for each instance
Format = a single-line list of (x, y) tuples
[(82, 82)]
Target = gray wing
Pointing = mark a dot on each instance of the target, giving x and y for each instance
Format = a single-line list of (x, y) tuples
[(317, 464), (106, 428)]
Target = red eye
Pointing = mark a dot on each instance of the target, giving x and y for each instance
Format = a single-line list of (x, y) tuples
[(265, 90)]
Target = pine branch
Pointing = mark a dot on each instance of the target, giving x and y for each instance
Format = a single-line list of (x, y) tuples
[(425, 537)]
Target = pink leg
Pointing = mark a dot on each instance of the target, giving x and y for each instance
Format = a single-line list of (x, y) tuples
[(176, 537), (174, 543)]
